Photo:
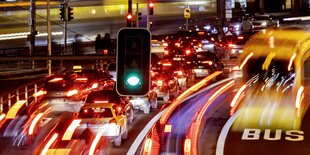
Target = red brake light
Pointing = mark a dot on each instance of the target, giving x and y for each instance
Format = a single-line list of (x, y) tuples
[(188, 52), (240, 37), (177, 44), (159, 82), (101, 101), (231, 45), (55, 80), (167, 64), (166, 52), (207, 62), (81, 79), (165, 44)]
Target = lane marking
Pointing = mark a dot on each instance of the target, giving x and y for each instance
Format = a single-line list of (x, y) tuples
[(135, 145), (222, 138)]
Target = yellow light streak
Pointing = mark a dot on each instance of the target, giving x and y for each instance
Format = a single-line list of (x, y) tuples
[(70, 130), (289, 67), (49, 143), (14, 109), (246, 60)]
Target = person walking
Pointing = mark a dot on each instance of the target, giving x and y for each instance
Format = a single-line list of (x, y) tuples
[(98, 45)]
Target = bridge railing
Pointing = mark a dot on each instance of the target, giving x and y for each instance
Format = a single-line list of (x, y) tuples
[(26, 92)]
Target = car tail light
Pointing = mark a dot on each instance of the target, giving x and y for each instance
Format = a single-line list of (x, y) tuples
[(167, 64), (85, 111), (72, 92), (81, 79), (148, 145), (94, 86), (113, 120), (188, 52), (101, 101), (180, 73), (200, 45), (55, 80), (240, 37), (119, 109), (231, 45), (159, 83), (152, 74), (165, 44), (207, 62), (167, 128), (177, 44), (39, 93), (166, 52)]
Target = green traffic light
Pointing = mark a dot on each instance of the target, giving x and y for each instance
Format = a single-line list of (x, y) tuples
[(133, 80)]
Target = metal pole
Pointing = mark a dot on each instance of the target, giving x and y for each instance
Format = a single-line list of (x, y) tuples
[(65, 28), (32, 22), (137, 15), (49, 38), (186, 26), (147, 15)]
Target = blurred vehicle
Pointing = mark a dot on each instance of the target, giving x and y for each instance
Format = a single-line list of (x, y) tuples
[(108, 97), (238, 25), (167, 86), (274, 74), (147, 102), (111, 69), (108, 119), (77, 84), (264, 21), (205, 63), (95, 79)]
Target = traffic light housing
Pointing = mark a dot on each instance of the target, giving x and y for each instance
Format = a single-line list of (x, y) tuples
[(133, 61), (70, 13), (62, 12), (129, 19), (151, 8), (139, 16)]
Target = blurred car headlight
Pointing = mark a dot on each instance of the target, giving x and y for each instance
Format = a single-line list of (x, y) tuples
[(264, 24)]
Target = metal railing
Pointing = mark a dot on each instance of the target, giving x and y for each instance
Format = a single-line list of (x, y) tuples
[(25, 92)]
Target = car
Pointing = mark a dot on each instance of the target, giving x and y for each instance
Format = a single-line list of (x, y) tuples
[(77, 84), (264, 21), (205, 63), (111, 96), (146, 102), (167, 86), (111, 69), (107, 118), (238, 25)]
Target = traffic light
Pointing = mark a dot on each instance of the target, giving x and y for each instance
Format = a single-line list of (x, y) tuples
[(129, 19), (139, 16), (133, 61), (70, 13), (151, 8), (62, 12)]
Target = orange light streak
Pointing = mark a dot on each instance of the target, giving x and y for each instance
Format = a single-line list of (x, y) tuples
[(34, 122), (49, 143), (233, 102), (246, 60), (289, 67), (94, 143), (70, 130)]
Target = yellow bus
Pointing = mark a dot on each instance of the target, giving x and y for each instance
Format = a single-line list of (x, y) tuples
[(274, 92)]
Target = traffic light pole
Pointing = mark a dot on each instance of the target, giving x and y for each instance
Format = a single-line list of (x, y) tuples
[(137, 15), (147, 16), (32, 23), (49, 38)]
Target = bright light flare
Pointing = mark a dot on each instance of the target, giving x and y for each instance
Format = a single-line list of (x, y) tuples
[(72, 92), (208, 62), (34, 122), (81, 79), (39, 93), (299, 98), (188, 52), (70, 130), (168, 128), (95, 143), (101, 101), (49, 143), (133, 80), (95, 86), (148, 145)]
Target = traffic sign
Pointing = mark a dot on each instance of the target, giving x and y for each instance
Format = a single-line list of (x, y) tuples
[(187, 13)]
